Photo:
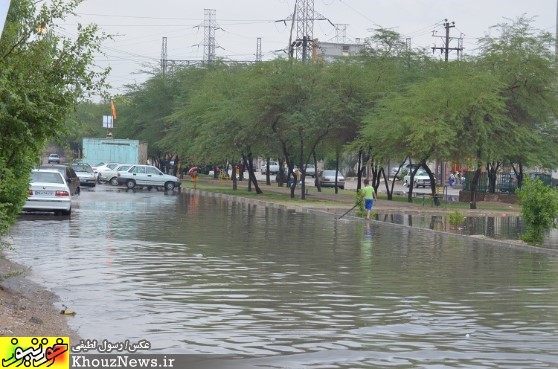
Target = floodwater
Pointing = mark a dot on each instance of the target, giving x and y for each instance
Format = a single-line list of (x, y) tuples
[(498, 227), (207, 275)]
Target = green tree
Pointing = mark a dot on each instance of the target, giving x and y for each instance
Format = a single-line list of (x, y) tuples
[(523, 60), (43, 75), (539, 208)]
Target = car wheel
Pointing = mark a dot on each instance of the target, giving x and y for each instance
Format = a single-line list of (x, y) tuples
[(131, 184), (78, 191), (114, 181), (66, 212), (169, 186), (342, 187)]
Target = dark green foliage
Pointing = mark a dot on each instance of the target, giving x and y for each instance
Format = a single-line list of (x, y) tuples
[(539, 204), (456, 218), (42, 76)]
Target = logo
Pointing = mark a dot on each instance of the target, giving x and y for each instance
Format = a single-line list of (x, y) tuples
[(45, 352)]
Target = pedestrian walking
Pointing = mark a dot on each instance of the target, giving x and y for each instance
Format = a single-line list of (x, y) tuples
[(368, 195)]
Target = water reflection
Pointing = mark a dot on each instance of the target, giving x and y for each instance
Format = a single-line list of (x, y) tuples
[(497, 227), (196, 274)]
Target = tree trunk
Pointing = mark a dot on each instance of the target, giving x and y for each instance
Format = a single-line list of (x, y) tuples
[(233, 178), (432, 183), (492, 170), (411, 182), (249, 163), (336, 168), (474, 185), (359, 170), (316, 181)]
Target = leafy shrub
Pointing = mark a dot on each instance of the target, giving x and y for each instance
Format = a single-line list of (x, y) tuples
[(539, 208), (456, 218)]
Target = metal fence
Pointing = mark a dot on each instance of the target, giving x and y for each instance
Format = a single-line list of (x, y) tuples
[(505, 182)]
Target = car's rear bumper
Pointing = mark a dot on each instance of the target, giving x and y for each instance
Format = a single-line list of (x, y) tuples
[(45, 204), (332, 184), (88, 182)]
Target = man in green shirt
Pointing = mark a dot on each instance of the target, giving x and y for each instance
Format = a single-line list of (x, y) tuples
[(369, 196)]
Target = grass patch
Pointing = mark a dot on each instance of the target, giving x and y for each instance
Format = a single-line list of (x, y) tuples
[(270, 194), (225, 187)]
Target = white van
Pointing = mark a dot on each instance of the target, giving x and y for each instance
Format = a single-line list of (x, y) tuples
[(273, 167)]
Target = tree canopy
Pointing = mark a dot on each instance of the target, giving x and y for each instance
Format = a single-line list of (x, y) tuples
[(43, 75)]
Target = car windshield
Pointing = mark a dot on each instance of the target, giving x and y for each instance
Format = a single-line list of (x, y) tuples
[(331, 173), (421, 172), (47, 177), (82, 168)]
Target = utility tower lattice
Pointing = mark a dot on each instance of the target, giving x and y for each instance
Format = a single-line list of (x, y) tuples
[(301, 47), (446, 49), (259, 49), (164, 57), (341, 33), (209, 26)]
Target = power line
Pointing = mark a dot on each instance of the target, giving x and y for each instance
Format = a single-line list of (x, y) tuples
[(446, 49)]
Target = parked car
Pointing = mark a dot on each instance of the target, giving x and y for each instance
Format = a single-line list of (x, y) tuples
[(288, 178), (48, 191), (396, 170), (422, 179), (70, 176), (101, 169), (147, 175), (273, 167), (327, 179), (508, 182), (54, 158), (112, 174), (85, 174), (310, 170), (544, 177), (402, 171)]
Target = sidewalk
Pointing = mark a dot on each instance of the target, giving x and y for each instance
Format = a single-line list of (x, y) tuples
[(345, 199)]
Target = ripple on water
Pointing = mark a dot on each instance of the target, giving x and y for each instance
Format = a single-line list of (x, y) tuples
[(203, 275)]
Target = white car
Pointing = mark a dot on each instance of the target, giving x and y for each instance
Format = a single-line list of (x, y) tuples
[(327, 179), (310, 170), (147, 176), (273, 167), (422, 179), (101, 169), (112, 174), (53, 159), (48, 191), (87, 176)]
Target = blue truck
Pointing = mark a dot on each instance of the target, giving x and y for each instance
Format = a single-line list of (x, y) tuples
[(113, 150)]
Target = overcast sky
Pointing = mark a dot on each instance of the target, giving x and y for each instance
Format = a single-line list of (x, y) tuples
[(140, 25)]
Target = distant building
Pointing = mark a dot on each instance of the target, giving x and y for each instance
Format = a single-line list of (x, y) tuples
[(330, 51)]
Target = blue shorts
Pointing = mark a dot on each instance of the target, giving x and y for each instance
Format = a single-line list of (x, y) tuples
[(368, 204)]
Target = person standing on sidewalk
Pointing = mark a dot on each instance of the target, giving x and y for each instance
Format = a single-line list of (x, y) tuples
[(369, 195)]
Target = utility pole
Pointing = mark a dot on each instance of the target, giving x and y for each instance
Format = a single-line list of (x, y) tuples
[(209, 26), (259, 50), (446, 49), (556, 35), (164, 58)]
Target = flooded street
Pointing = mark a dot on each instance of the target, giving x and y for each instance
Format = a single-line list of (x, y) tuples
[(198, 274)]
